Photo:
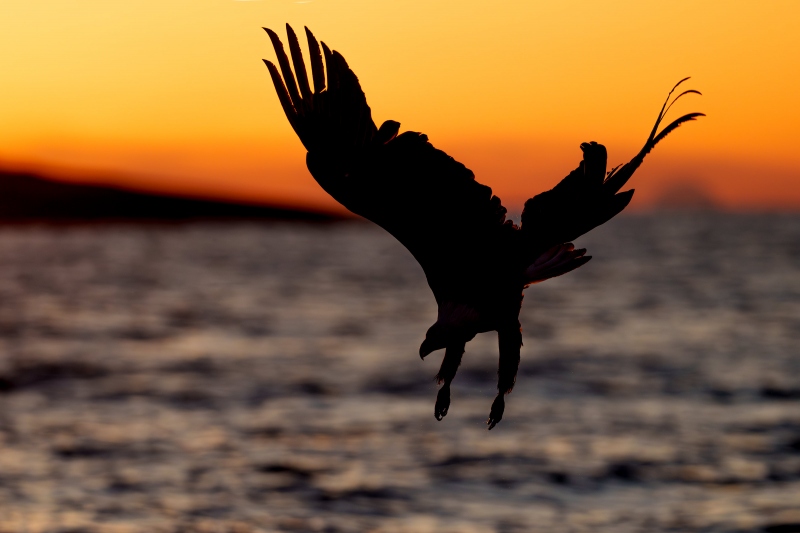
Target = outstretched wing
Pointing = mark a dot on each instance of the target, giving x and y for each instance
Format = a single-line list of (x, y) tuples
[(430, 202), (589, 196)]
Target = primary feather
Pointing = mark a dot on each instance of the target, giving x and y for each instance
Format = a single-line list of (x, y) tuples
[(476, 262)]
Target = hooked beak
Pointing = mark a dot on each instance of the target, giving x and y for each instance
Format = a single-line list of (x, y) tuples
[(426, 348)]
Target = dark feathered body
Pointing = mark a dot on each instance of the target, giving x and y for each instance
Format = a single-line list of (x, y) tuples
[(477, 263)]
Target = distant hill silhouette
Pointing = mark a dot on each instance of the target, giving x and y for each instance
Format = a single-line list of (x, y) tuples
[(685, 195), (28, 198)]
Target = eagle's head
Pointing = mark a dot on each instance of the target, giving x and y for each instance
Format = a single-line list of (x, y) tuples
[(456, 324)]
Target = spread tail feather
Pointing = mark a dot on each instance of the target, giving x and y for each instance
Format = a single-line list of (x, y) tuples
[(556, 261)]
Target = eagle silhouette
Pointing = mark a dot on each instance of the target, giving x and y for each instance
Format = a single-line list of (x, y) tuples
[(476, 261)]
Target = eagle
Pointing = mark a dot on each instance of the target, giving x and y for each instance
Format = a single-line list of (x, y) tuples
[(476, 261)]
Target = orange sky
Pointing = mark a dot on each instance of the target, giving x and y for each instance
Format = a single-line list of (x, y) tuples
[(172, 94)]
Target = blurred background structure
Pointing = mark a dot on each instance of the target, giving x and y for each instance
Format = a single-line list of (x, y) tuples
[(194, 338)]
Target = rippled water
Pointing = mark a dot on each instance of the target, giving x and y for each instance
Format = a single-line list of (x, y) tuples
[(237, 378)]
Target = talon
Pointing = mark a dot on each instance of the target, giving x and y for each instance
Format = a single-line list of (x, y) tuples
[(442, 402), (496, 414)]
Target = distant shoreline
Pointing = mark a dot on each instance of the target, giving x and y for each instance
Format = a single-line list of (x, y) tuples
[(28, 198)]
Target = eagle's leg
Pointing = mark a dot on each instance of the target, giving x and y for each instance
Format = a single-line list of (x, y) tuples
[(510, 341), (450, 363)]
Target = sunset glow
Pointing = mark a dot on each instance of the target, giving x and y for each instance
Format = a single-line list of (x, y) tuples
[(172, 94)]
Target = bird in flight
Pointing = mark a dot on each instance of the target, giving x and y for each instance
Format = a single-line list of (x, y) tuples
[(477, 262)]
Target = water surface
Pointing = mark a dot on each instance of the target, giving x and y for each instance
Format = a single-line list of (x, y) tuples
[(246, 377)]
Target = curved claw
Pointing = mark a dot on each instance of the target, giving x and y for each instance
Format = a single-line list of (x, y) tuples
[(496, 414), (442, 402)]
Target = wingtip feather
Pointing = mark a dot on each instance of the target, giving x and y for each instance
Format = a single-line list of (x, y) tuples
[(664, 108), (672, 127), (299, 67), (683, 80), (317, 67)]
